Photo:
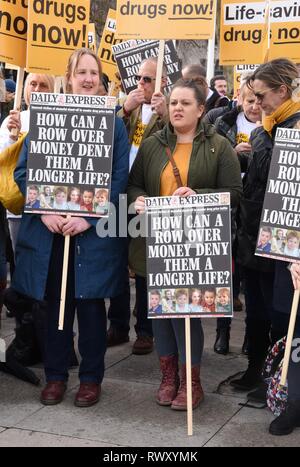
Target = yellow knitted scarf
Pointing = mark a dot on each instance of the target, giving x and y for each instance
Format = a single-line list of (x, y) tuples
[(283, 112)]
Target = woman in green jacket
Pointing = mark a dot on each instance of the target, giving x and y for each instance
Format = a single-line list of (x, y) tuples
[(206, 163)]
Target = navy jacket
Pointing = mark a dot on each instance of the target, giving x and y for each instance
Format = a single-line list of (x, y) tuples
[(98, 261)]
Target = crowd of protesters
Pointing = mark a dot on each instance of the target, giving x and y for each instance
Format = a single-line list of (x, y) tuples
[(217, 144)]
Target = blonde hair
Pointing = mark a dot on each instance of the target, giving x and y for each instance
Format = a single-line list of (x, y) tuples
[(27, 91), (73, 64), (225, 291)]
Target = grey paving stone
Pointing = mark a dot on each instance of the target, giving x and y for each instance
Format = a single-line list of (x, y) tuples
[(19, 400), (130, 417), (23, 438), (249, 428)]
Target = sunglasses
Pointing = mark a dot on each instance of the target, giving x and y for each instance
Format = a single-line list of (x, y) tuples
[(146, 79), (260, 95)]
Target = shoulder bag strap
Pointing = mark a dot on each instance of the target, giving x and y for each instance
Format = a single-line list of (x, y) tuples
[(175, 168)]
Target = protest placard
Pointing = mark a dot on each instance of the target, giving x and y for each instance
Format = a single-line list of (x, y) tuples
[(105, 53), (189, 256), (169, 19), (285, 30), (279, 232), (244, 27), (55, 30), (238, 71), (13, 32), (70, 154), (242, 32), (92, 37), (130, 54)]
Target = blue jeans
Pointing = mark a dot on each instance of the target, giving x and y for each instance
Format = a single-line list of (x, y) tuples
[(91, 315), (169, 335)]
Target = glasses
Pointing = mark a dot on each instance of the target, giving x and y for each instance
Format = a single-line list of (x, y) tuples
[(260, 95), (146, 79)]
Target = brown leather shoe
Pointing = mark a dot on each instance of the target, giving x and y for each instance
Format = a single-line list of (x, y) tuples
[(53, 392), (180, 402), (142, 345), (87, 395), (116, 337)]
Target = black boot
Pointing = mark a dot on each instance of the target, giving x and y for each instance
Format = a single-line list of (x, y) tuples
[(259, 394), (222, 341), (259, 341), (287, 421), (250, 379)]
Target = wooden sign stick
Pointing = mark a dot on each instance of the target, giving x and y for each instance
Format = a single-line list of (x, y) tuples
[(111, 88), (160, 62), (64, 282), (188, 375), (18, 95), (290, 335)]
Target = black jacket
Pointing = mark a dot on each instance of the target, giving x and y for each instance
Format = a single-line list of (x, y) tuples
[(216, 100), (251, 203)]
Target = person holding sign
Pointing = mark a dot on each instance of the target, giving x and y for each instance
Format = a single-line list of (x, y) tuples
[(144, 111), (236, 125), (206, 163), (93, 268), (274, 84)]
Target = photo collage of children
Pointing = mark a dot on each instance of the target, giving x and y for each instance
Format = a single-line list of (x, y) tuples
[(60, 198), (205, 302), (278, 242)]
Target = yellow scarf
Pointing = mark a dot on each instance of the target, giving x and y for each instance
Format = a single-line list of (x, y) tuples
[(283, 112)]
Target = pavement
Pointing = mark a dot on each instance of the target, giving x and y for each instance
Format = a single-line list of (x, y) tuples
[(127, 414)]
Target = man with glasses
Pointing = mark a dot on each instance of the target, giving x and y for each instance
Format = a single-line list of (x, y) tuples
[(144, 112)]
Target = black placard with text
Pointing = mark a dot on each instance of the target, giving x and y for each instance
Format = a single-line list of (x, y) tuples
[(279, 231), (70, 153), (189, 269)]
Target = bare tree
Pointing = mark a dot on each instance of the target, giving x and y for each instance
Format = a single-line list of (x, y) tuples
[(98, 14)]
